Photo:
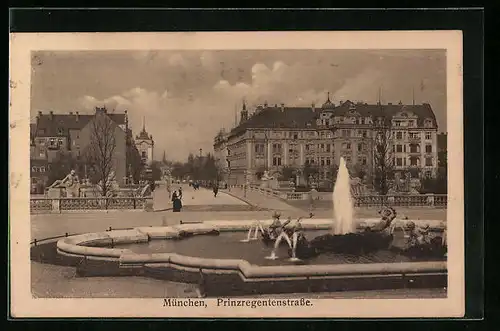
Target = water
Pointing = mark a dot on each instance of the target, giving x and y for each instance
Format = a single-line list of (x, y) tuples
[(343, 208), (228, 246)]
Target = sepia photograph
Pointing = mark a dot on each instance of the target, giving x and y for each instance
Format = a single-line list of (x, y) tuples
[(237, 174)]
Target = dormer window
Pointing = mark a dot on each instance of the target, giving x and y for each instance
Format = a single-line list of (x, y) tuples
[(60, 131), (428, 123)]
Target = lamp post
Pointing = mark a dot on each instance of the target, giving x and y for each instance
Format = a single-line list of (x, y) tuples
[(228, 175)]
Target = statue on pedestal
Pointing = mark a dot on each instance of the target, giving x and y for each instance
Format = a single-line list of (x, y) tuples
[(71, 183)]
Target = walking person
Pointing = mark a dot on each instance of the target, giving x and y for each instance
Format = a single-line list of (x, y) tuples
[(180, 193), (177, 203), (216, 190)]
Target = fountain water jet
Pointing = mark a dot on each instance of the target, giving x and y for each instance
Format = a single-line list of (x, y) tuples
[(342, 202), (277, 243)]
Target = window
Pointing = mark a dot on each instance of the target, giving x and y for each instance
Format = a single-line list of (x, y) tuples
[(307, 147), (34, 169), (365, 134), (399, 162), (276, 161), (414, 135), (295, 136), (328, 161), (399, 135), (399, 148), (42, 169), (414, 149), (328, 147), (414, 161), (143, 154), (360, 147), (345, 133), (428, 135), (322, 161), (346, 145), (60, 131), (428, 148), (428, 123), (428, 162), (428, 174)]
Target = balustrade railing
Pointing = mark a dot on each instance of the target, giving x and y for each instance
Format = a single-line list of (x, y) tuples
[(84, 203), (403, 200)]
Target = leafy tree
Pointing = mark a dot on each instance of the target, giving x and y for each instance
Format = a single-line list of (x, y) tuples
[(310, 171), (287, 172), (260, 172)]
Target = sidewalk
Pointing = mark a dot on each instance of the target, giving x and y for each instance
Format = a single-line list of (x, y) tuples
[(263, 201)]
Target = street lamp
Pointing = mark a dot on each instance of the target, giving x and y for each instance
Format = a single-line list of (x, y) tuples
[(228, 175)]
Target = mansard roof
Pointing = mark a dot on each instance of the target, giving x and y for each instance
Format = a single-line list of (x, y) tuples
[(305, 117)]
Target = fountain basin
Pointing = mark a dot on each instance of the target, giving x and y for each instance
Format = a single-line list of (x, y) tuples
[(101, 254)]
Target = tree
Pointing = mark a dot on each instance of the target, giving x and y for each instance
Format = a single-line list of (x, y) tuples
[(260, 172), (156, 170), (359, 171), (383, 158), (134, 161), (310, 171), (100, 152), (287, 172)]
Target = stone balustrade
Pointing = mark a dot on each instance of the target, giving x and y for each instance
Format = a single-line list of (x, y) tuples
[(88, 204), (402, 200)]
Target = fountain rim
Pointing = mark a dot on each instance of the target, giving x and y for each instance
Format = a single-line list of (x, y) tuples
[(82, 246)]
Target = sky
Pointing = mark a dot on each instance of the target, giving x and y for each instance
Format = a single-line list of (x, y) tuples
[(186, 97)]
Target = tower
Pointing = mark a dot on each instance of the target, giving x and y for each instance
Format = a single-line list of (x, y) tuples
[(145, 144), (244, 113)]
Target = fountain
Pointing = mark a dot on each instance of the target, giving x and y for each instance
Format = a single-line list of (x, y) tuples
[(342, 254), (342, 201)]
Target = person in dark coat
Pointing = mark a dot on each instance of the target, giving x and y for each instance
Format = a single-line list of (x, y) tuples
[(216, 190), (177, 203), (180, 193)]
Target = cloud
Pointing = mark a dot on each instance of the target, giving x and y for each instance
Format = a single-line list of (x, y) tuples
[(179, 126), (177, 60), (207, 60), (281, 83)]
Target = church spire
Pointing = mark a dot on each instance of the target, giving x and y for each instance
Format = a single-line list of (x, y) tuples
[(143, 123)]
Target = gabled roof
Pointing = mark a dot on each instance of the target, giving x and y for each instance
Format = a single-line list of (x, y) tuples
[(48, 125)]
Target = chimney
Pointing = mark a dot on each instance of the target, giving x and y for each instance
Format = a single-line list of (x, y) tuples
[(39, 113), (77, 116), (51, 115), (389, 103), (265, 104), (313, 107), (71, 113), (282, 107)]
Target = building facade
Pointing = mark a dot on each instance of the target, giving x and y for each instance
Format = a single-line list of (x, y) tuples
[(275, 137), (54, 136)]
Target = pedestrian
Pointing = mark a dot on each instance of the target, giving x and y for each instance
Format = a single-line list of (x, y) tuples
[(216, 190), (177, 203), (180, 193)]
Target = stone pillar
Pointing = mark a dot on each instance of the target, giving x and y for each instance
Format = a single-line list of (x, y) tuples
[(302, 158), (269, 155), (285, 153), (249, 155)]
